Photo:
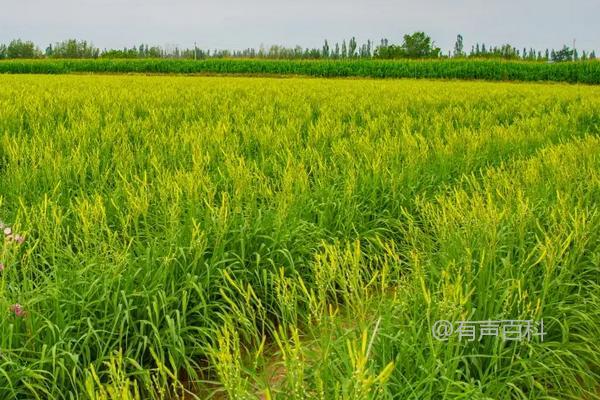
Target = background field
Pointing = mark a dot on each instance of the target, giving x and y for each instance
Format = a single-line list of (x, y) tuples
[(296, 238), (495, 70)]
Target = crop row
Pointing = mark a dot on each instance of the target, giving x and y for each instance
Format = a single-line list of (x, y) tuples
[(579, 72)]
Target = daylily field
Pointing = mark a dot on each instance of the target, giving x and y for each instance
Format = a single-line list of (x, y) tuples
[(171, 237)]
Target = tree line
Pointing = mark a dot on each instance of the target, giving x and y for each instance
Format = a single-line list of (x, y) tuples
[(509, 52), (416, 45)]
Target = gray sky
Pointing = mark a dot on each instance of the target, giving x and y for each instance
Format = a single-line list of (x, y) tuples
[(237, 24)]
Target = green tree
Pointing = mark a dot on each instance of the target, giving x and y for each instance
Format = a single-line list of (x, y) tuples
[(326, 49), (565, 54), (154, 52), (22, 49), (74, 48), (584, 55), (352, 47), (459, 47), (387, 51), (419, 45)]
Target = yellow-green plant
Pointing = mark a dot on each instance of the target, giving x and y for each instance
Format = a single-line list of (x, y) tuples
[(256, 237)]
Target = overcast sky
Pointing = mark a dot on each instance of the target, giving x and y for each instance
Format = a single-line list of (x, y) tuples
[(237, 24)]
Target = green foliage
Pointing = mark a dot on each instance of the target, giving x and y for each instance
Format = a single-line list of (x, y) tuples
[(203, 237), (386, 51), (565, 54), (580, 72), (420, 45), (116, 54), (417, 45), (20, 49), (459, 47), (142, 51), (73, 49), (506, 52)]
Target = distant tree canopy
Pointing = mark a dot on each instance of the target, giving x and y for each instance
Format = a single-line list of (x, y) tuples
[(20, 49), (505, 51), (73, 48), (459, 47), (565, 54), (416, 45), (419, 45), (143, 51)]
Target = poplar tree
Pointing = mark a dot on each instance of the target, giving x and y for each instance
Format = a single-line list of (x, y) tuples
[(459, 47), (352, 47), (326, 49)]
